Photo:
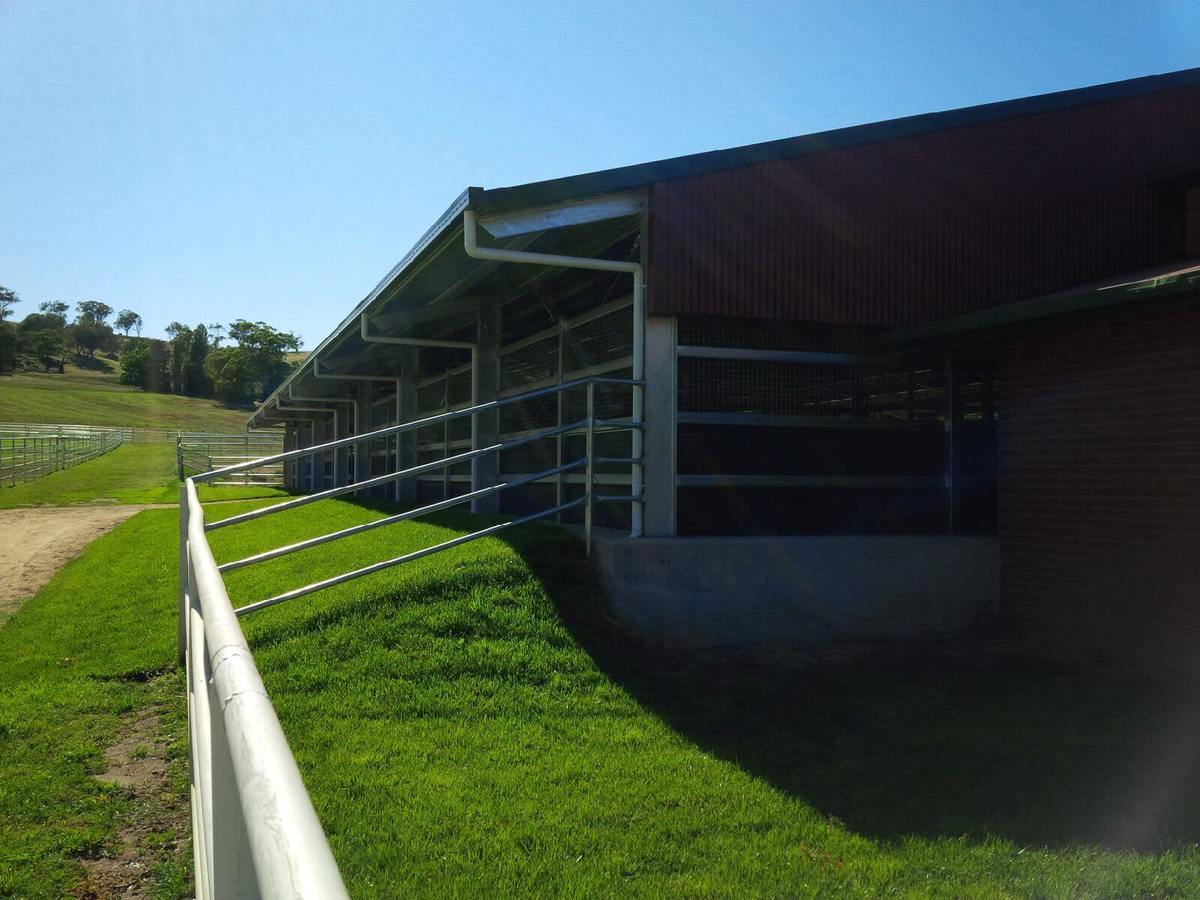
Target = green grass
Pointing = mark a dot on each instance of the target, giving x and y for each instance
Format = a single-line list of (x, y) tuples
[(132, 473), (472, 726), (73, 661), (91, 397)]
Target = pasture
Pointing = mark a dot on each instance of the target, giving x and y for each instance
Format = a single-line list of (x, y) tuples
[(472, 723)]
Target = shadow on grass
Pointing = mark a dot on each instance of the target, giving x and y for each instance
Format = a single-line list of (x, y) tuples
[(93, 364), (942, 745)]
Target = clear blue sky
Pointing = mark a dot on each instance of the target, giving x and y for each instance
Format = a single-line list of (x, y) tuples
[(202, 161)]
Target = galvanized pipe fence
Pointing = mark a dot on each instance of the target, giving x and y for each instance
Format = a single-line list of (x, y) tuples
[(200, 452), (30, 451), (255, 832)]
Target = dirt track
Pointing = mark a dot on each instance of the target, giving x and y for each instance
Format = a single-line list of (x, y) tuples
[(35, 543)]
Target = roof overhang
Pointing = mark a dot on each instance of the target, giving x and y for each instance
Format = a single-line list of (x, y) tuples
[(1174, 280), (435, 290)]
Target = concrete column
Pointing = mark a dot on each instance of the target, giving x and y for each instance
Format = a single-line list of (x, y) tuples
[(406, 411), (485, 375), (658, 449)]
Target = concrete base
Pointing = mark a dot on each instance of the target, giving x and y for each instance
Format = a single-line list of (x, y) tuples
[(809, 592)]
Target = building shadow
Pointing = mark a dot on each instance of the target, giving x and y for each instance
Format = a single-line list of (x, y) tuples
[(941, 742)]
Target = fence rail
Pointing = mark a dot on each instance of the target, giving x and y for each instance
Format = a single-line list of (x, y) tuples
[(30, 451), (197, 453), (254, 825)]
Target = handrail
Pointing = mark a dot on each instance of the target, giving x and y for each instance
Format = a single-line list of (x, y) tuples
[(399, 517), (385, 478), (436, 419), (257, 833)]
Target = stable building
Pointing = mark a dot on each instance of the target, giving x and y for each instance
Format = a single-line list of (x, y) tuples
[(889, 381)]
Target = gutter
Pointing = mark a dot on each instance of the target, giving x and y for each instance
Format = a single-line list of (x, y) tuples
[(471, 245)]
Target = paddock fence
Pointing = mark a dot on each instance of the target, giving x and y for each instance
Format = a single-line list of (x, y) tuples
[(198, 452), (29, 451)]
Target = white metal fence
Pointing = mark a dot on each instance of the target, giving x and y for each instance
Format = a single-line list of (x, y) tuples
[(29, 451), (254, 829), (200, 452)]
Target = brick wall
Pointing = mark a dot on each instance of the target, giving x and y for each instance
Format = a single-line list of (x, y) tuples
[(1100, 488)]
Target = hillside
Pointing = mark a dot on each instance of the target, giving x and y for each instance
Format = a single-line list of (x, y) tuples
[(94, 396)]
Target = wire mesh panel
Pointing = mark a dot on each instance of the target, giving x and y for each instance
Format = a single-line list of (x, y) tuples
[(792, 427), (797, 389), (769, 334), (597, 340), (531, 363)]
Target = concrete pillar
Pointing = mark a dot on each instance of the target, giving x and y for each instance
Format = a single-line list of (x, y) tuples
[(485, 427), (658, 449), (406, 411)]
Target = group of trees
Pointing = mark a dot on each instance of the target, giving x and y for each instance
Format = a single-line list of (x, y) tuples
[(192, 361), (48, 337)]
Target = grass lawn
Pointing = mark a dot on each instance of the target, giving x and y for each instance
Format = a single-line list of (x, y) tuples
[(133, 473), (468, 727), (92, 397), (472, 726), (75, 663)]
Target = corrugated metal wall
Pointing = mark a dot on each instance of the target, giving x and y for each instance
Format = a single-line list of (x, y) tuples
[(930, 226)]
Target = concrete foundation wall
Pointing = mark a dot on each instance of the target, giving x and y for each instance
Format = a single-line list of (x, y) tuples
[(805, 591)]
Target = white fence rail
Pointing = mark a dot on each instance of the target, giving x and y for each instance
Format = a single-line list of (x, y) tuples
[(29, 451), (198, 452), (254, 829), (255, 833)]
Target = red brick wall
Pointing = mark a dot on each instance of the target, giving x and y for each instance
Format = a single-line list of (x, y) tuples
[(1100, 488)]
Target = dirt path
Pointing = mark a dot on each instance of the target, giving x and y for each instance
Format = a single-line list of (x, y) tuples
[(36, 542)]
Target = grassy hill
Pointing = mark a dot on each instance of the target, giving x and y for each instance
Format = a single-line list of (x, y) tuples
[(93, 395), (469, 725)]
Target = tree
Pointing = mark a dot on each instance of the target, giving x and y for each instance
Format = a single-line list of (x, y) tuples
[(229, 370), (135, 364), (128, 320), (7, 300), (216, 333), (198, 382), (44, 336), (89, 336), (55, 308), (181, 338), (144, 365), (266, 348), (50, 347), (8, 346), (93, 312)]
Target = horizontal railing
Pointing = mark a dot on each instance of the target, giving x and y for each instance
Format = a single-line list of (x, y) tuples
[(31, 451), (197, 453), (255, 832), (238, 840)]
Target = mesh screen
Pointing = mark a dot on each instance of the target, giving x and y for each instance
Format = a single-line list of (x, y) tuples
[(432, 396), (607, 337), (766, 334), (530, 364), (460, 388), (774, 388)]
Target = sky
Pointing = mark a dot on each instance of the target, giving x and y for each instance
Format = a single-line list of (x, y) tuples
[(206, 161)]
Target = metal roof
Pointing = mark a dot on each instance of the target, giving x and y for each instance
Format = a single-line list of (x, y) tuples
[(632, 178), (643, 174)]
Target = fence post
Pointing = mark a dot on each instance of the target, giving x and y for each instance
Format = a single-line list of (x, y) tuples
[(179, 458)]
